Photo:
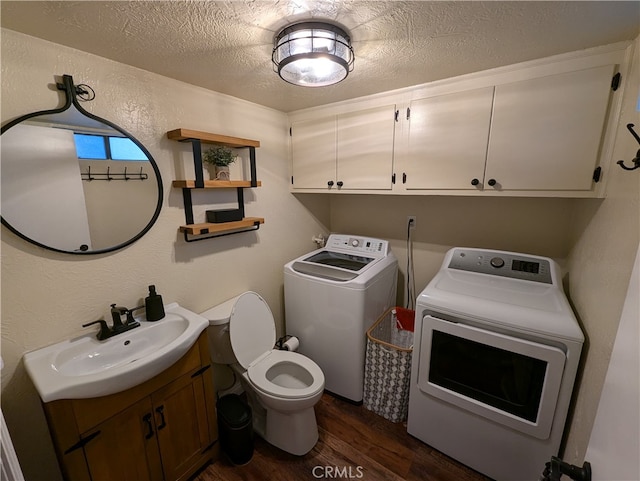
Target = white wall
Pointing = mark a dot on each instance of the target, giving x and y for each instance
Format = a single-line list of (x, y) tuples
[(614, 446), (46, 296)]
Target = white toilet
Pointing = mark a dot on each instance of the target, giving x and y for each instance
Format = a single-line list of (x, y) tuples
[(282, 386)]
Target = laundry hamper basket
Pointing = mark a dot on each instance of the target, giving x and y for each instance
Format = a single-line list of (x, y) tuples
[(388, 364)]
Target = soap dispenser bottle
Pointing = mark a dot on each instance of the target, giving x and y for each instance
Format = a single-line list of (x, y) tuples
[(153, 305)]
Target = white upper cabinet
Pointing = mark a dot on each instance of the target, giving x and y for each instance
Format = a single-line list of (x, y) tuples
[(546, 132), (365, 148), (313, 149), (350, 151), (541, 128), (447, 141)]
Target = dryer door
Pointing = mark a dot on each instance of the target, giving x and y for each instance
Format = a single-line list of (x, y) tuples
[(509, 380)]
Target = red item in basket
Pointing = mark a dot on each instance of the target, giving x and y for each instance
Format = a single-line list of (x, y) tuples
[(406, 318)]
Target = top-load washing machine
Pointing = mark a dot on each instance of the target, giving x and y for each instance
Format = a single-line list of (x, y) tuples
[(332, 296), (495, 357)]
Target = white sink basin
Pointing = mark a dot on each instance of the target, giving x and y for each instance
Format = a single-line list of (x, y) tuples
[(85, 367)]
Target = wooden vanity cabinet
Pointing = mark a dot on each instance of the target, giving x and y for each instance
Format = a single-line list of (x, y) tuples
[(163, 429)]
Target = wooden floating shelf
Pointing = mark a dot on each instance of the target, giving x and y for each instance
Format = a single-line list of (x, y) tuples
[(214, 184), (234, 142), (210, 228)]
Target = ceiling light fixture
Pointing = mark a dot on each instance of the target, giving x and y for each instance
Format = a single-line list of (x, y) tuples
[(312, 54)]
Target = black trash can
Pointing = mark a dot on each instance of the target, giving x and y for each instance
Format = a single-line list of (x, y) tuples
[(235, 428)]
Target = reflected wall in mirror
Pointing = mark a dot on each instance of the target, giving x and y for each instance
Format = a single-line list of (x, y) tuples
[(73, 182)]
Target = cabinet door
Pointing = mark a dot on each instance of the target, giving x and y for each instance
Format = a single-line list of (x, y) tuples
[(546, 132), (182, 425), (125, 446), (365, 148), (448, 136), (313, 151)]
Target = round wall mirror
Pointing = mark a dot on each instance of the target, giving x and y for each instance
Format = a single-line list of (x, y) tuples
[(73, 182)]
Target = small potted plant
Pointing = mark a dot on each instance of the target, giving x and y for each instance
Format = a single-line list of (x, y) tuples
[(219, 157)]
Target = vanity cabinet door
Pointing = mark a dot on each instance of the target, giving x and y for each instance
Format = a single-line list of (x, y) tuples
[(182, 425), (447, 143), (125, 446)]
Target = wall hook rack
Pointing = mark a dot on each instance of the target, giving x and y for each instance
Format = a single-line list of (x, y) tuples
[(636, 160), (108, 175)]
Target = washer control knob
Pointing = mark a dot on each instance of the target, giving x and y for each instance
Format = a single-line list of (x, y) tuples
[(497, 262), (355, 242)]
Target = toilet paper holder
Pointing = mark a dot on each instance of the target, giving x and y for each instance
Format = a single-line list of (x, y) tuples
[(287, 343)]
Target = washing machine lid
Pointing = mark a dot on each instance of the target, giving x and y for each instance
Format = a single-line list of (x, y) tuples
[(251, 328), (343, 259)]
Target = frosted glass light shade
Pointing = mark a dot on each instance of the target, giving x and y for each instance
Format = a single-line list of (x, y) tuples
[(312, 54)]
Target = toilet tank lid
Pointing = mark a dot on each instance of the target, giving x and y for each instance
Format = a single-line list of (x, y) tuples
[(220, 314)]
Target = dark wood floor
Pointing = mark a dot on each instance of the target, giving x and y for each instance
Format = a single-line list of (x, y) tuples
[(359, 443)]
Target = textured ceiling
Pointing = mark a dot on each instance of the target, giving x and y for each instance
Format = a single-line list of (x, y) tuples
[(226, 46)]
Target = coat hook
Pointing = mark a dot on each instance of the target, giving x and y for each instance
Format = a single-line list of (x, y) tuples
[(636, 160)]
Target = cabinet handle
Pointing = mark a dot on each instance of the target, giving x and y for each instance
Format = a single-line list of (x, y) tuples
[(492, 182), (201, 370), (82, 442), (163, 423), (475, 182), (147, 419), (340, 183), (330, 183)]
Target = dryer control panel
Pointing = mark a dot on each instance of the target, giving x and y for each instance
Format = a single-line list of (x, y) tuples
[(354, 244), (503, 264)]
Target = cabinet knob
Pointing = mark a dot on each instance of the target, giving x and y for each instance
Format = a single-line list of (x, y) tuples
[(492, 182), (475, 182), (340, 183), (330, 183)]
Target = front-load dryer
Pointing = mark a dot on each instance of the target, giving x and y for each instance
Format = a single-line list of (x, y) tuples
[(332, 296), (496, 351)]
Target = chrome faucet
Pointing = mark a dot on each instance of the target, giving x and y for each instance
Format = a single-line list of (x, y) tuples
[(118, 326)]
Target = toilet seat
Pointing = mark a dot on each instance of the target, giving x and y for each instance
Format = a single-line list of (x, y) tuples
[(300, 379), (251, 328), (283, 374)]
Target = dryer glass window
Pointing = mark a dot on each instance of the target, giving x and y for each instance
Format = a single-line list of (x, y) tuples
[(506, 380), (336, 259)]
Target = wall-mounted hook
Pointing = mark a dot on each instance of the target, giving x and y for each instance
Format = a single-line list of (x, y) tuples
[(636, 160)]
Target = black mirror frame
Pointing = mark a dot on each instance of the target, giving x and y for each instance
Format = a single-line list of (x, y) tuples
[(71, 92)]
